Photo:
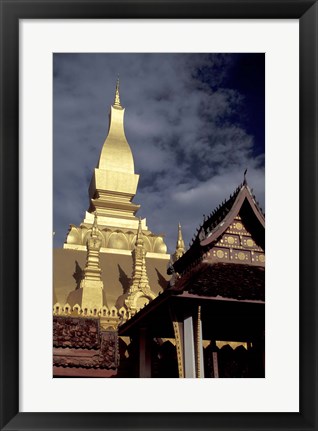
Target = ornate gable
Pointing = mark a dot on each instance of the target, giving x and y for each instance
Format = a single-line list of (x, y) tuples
[(236, 245), (234, 232)]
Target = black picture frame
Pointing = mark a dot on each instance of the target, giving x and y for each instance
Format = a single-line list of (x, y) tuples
[(11, 12)]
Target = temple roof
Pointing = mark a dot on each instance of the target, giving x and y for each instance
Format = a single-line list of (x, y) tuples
[(228, 285), (242, 202), (227, 280)]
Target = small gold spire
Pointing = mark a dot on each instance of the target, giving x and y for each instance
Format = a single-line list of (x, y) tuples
[(93, 245), (140, 277), (94, 226), (92, 283), (139, 289), (180, 249), (117, 97), (139, 238)]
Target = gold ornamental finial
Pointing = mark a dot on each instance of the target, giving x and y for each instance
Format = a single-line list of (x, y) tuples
[(139, 292), (139, 239), (117, 97), (180, 249), (94, 226), (92, 283)]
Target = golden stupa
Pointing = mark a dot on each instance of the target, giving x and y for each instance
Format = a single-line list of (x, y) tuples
[(101, 269), (112, 189)]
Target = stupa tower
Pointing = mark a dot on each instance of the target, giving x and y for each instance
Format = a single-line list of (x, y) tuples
[(112, 189), (114, 182)]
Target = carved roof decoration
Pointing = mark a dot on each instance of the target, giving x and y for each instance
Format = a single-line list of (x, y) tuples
[(242, 203), (80, 342), (227, 280)]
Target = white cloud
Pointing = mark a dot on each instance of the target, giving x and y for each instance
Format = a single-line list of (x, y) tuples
[(189, 152)]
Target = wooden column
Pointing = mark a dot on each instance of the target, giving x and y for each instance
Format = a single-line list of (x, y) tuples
[(199, 359), (215, 364), (189, 345), (178, 335), (188, 348), (144, 354)]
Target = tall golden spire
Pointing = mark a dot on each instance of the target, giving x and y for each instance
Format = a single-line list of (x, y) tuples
[(139, 292), (117, 97), (111, 194), (180, 248), (92, 283), (114, 182)]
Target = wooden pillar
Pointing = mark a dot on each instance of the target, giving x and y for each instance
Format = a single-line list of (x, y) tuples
[(178, 336), (189, 345), (199, 358), (144, 354), (188, 348), (215, 364)]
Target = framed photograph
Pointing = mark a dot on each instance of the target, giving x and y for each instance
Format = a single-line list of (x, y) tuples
[(220, 120)]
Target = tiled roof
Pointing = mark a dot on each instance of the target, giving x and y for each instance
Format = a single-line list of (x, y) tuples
[(79, 342), (76, 332), (229, 280)]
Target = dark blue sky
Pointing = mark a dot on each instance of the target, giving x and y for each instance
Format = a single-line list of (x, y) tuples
[(194, 123)]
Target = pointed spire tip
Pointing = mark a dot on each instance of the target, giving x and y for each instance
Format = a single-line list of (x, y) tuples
[(117, 97)]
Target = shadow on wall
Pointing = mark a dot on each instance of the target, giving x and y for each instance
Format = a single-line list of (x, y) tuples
[(78, 275), (124, 279), (161, 280)]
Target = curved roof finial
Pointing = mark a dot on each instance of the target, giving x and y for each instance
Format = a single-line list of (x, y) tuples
[(245, 182), (180, 248), (117, 97)]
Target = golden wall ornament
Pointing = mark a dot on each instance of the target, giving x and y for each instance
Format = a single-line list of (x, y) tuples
[(139, 293), (177, 335), (92, 283), (198, 344)]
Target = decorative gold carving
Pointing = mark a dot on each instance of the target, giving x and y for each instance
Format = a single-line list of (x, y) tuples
[(159, 245), (241, 255), (239, 226), (92, 283), (177, 336), (232, 344), (261, 258), (250, 242), (230, 240), (198, 346), (109, 317), (220, 254), (118, 240), (139, 293), (102, 350)]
